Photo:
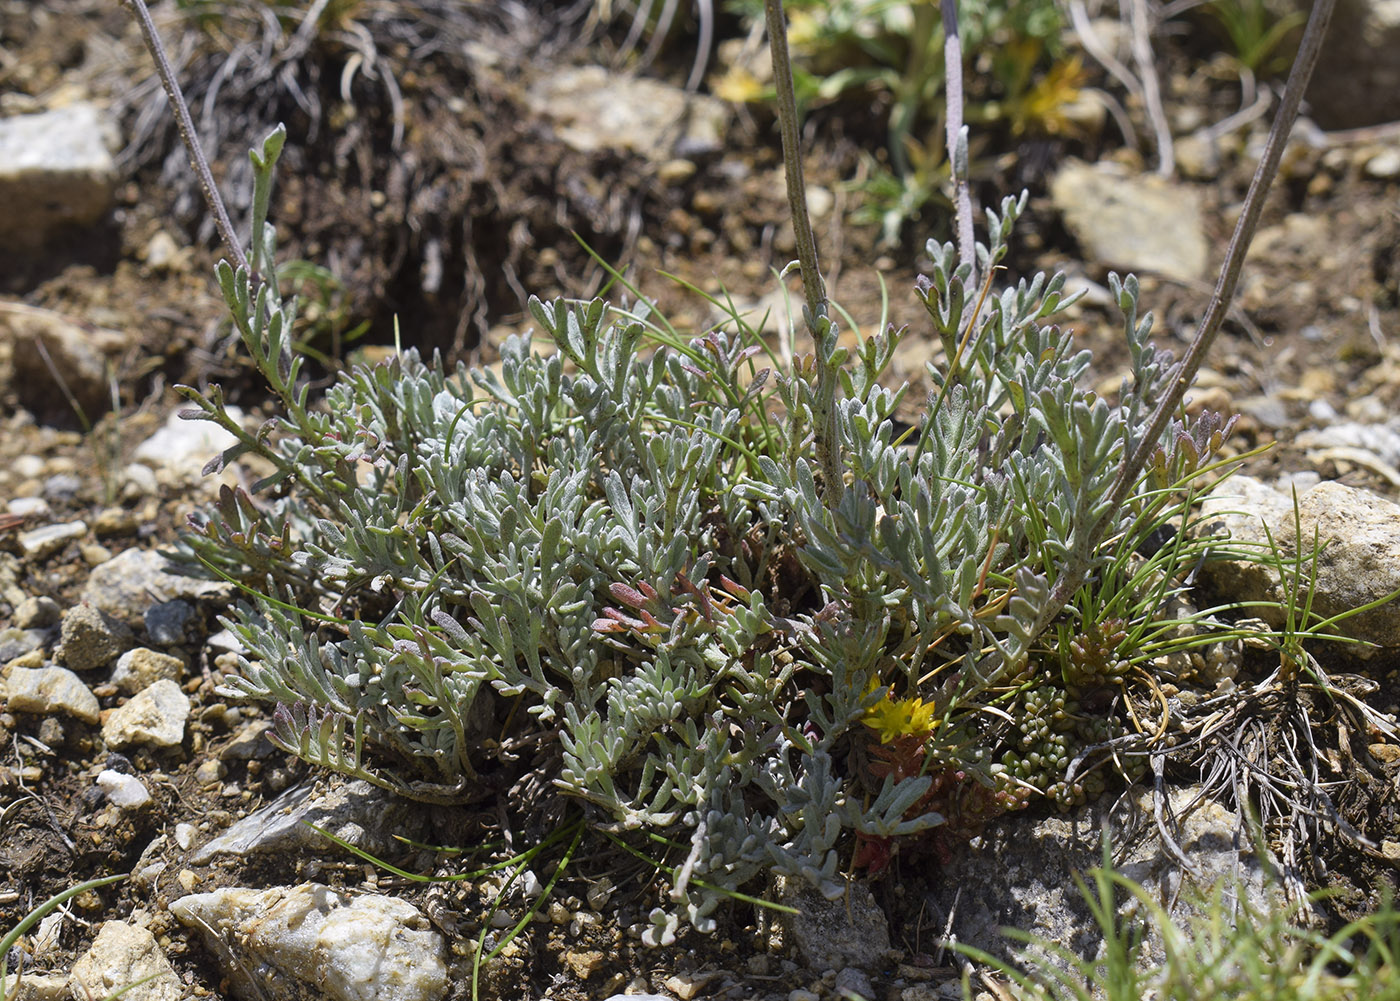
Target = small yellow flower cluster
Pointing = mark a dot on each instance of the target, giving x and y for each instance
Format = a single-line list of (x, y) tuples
[(895, 718)]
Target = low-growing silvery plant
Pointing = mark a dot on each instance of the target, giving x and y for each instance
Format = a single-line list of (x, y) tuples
[(708, 596)]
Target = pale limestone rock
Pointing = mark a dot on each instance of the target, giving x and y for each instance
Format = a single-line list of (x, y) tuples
[(141, 668), (154, 715), (595, 108), (1137, 223), (121, 955), (310, 941), (47, 691), (1359, 532)]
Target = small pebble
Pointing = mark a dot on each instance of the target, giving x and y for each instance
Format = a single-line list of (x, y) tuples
[(153, 716), (114, 521), (599, 893), (125, 791), (675, 171), (62, 486), (141, 668), (49, 539), (210, 772), (1384, 165), (93, 554), (687, 985), (46, 690), (29, 507), (36, 613)]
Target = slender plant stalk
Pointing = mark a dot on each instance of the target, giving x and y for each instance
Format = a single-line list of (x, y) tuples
[(812, 285), (957, 138), (1077, 568), (198, 160), (825, 418)]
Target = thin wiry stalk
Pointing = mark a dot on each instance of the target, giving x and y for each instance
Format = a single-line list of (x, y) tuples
[(957, 138), (812, 285), (1077, 568), (187, 132), (824, 416)]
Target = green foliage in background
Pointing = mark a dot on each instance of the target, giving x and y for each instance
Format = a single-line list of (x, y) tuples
[(887, 55), (1258, 31)]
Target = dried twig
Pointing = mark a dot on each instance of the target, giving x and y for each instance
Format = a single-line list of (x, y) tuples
[(1135, 13)]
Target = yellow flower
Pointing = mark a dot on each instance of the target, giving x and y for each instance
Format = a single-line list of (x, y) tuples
[(738, 85), (895, 718)]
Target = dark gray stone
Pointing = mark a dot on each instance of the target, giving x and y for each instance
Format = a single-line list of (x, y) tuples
[(169, 623)]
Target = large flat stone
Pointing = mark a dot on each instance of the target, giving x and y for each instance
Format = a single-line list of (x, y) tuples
[(1132, 222), (56, 171), (593, 109)]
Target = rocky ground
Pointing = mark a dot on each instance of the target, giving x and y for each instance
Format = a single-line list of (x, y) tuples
[(440, 200)]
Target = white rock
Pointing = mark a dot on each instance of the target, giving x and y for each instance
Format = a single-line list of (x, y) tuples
[(35, 987), (140, 480), (819, 201), (126, 585), (36, 613), (311, 941), (55, 170), (28, 507), (49, 690), (1384, 165), (154, 715), (45, 939), (121, 955), (1135, 222), (125, 791), (184, 836), (50, 539), (1381, 440), (183, 447)]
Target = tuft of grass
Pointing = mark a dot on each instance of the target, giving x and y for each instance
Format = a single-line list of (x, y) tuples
[(1225, 947), (36, 915)]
